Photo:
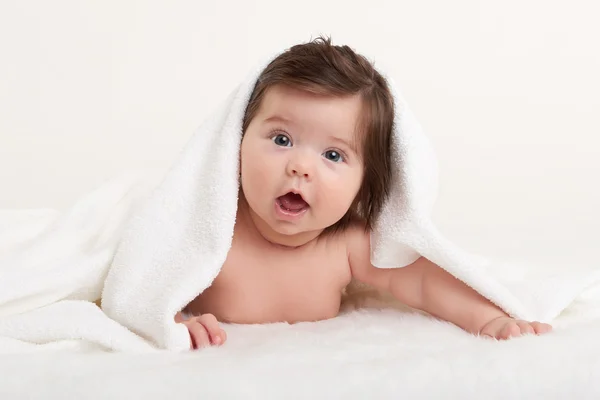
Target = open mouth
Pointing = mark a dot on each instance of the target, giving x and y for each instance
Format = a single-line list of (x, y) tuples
[(292, 203)]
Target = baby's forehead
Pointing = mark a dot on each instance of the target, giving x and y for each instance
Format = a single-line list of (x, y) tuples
[(334, 118), (291, 105)]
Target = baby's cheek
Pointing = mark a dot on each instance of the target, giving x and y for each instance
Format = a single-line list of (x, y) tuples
[(257, 177), (250, 165), (339, 196), (258, 173)]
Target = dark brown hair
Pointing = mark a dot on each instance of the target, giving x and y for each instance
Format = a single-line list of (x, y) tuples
[(321, 68)]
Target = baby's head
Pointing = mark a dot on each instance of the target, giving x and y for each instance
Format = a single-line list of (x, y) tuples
[(318, 124)]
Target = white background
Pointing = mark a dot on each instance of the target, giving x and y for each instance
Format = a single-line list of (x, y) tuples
[(508, 91)]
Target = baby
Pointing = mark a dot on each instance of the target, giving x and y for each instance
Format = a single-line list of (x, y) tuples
[(315, 170)]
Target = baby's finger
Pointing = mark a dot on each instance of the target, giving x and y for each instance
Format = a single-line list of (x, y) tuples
[(212, 326), (198, 334), (179, 317), (511, 329), (223, 336), (540, 327), (525, 327)]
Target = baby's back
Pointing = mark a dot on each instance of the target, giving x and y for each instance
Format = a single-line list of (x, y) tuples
[(260, 283)]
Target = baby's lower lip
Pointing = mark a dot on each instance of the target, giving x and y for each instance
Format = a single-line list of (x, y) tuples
[(289, 214)]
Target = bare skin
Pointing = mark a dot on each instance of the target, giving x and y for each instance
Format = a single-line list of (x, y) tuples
[(261, 282), (281, 268)]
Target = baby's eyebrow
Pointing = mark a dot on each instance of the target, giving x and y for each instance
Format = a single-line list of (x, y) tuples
[(279, 119), (351, 145)]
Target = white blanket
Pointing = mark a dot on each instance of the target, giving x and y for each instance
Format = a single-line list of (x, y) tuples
[(150, 257), (362, 355)]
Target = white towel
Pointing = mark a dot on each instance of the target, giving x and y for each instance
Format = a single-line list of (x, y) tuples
[(177, 239), (52, 270)]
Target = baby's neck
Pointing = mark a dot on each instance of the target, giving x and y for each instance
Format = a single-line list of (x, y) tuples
[(256, 225)]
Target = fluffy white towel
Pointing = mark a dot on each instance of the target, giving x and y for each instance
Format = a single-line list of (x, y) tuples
[(53, 267), (177, 239)]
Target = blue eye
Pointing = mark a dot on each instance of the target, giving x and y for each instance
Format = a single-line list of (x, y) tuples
[(333, 155), (282, 140)]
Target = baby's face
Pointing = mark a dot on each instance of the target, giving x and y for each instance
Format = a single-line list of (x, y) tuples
[(303, 143)]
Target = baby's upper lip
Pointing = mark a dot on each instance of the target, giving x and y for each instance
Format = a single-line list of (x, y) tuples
[(295, 191)]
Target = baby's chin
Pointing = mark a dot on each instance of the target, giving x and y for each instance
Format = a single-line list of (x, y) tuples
[(289, 230), (295, 232)]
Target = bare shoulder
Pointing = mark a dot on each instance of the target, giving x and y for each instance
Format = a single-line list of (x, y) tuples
[(358, 246), (358, 242)]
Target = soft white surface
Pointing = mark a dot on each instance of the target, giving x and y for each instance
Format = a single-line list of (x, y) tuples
[(364, 354), (367, 354)]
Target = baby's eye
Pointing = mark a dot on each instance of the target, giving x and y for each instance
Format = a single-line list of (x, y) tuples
[(333, 155), (281, 140)]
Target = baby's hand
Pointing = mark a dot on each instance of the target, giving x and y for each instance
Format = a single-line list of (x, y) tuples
[(204, 330), (506, 327)]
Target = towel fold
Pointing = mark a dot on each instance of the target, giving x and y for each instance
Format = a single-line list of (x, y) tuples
[(150, 255)]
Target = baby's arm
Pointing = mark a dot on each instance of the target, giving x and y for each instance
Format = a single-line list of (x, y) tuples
[(427, 287)]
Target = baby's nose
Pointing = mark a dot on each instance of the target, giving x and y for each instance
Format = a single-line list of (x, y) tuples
[(301, 166), (300, 171)]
